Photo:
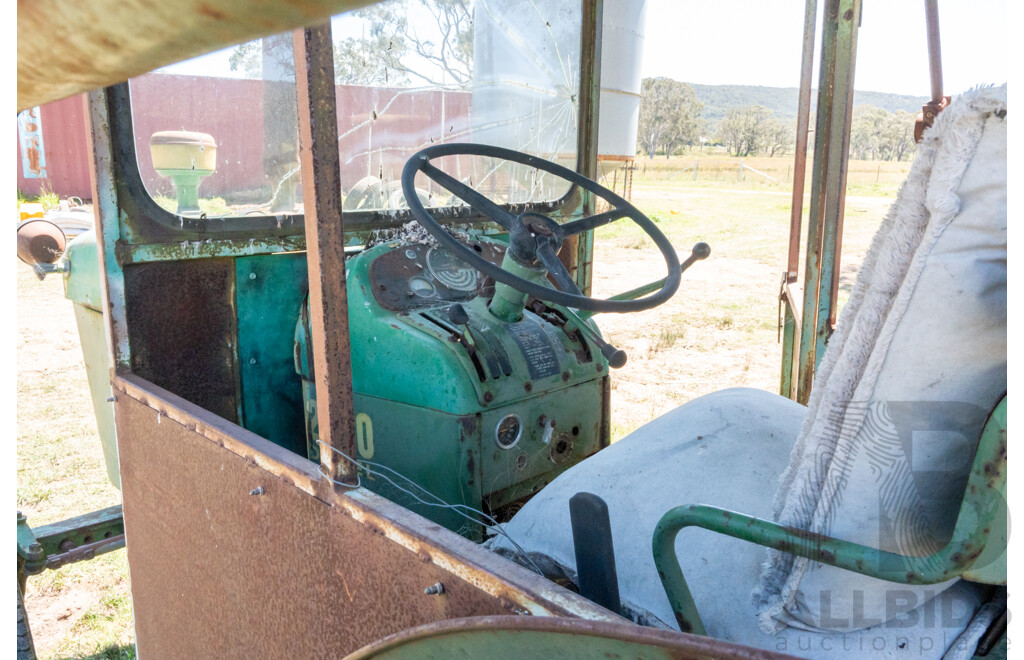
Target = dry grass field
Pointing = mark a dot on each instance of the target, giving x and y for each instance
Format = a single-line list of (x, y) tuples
[(719, 331)]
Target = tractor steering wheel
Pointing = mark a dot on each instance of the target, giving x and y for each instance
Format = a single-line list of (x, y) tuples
[(534, 238)]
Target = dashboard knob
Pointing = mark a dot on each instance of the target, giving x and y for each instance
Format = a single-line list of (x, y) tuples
[(457, 314)]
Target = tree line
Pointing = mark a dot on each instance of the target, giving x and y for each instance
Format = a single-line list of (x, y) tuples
[(670, 123)]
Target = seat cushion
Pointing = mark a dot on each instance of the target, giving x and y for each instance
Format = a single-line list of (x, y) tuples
[(724, 449)]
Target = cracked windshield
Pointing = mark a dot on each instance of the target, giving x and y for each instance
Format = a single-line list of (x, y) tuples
[(217, 136)]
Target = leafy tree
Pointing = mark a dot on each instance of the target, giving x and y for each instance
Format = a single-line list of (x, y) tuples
[(745, 130), (273, 52), (396, 48), (669, 116), (778, 137), (878, 134)]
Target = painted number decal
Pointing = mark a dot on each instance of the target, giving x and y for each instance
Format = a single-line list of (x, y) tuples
[(364, 435)]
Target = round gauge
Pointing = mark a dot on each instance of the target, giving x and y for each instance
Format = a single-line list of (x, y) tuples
[(421, 286), (508, 431), (451, 271)]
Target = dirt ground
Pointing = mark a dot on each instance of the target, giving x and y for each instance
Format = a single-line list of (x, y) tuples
[(720, 330), (81, 610)]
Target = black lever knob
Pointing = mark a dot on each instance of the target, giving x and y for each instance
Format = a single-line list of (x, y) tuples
[(699, 252), (457, 314), (616, 356)]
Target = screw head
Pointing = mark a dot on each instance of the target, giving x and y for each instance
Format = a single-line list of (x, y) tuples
[(257, 491), (435, 589)]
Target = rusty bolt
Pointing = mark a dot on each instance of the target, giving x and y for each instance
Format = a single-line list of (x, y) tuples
[(111, 399), (257, 491), (565, 375), (488, 397), (35, 548), (528, 386), (435, 589)]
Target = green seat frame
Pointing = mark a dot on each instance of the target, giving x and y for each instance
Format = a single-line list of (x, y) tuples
[(976, 551)]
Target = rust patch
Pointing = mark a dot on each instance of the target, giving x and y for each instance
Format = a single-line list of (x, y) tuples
[(468, 423), (210, 12)]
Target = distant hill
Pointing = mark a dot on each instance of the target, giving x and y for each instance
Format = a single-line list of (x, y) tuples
[(782, 101)]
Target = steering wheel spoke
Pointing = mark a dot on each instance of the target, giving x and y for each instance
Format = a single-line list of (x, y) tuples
[(547, 256), (470, 196), (593, 222)]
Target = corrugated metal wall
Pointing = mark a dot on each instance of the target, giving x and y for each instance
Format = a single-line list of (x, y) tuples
[(64, 145), (231, 110)]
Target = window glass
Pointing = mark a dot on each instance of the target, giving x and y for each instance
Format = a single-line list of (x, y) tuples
[(218, 134), (412, 73)]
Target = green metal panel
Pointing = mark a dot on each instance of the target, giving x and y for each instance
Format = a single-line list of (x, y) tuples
[(431, 404), (91, 333), (82, 277), (82, 287), (269, 291)]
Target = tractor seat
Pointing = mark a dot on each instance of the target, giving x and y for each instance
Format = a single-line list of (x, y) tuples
[(885, 457), (726, 448)]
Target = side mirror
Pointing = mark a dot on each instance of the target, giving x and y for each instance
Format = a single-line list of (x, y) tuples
[(40, 244)]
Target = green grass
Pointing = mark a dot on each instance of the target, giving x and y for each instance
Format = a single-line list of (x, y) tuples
[(721, 328), (49, 199)]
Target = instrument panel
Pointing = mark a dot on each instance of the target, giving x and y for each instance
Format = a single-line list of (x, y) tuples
[(417, 276)]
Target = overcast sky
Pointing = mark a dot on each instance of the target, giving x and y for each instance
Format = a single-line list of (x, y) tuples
[(758, 42)]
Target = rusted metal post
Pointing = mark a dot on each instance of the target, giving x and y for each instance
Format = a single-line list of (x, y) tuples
[(803, 114), (325, 234), (931, 109), (835, 88), (835, 183), (931, 10), (590, 101), (790, 327)]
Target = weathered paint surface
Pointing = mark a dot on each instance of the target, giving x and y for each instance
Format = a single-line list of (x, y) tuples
[(30, 139), (66, 47), (285, 573)]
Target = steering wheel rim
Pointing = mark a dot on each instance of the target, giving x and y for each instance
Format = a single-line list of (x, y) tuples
[(546, 233)]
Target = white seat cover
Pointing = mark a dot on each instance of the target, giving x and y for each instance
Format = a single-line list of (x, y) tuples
[(725, 449)]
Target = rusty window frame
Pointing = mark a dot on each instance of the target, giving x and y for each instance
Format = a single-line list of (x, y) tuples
[(146, 221)]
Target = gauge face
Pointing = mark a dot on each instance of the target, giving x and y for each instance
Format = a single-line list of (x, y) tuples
[(450, 271), (508, 431), (421, 286)]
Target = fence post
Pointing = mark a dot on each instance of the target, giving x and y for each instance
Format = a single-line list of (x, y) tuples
[(740, 177)]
